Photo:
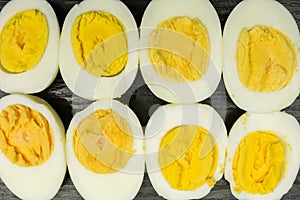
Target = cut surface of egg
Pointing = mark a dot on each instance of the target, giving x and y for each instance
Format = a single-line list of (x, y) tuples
[(105, 153), (98, 49), (29, 40), (263, 155), (261, 67), (181, 49), (32, 143), (185, 150)]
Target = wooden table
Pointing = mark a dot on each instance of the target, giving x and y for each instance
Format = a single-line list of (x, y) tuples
[(143, 102)]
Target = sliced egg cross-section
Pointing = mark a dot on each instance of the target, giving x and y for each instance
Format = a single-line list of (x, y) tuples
[(181, 50), (185, 150), (263, 155), (32, 143), (99, 49), (29, 38), (261, 63), (105, 153)]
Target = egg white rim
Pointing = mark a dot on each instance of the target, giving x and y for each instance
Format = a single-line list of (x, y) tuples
[(184, 92), (164, 119), (102, 87), (46, 69), (135, 168), (274, 15), (250, 122), (41, 172)]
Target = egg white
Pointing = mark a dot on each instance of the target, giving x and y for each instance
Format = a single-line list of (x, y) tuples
[(123, 184), (163, 120), (42, 181), (184, 92), (43, 74), (80, 81), (246, 15), (288, 130)]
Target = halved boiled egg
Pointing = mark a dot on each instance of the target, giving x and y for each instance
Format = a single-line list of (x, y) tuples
[(261, 67), (98, 49), (105, 151), (181, 49), (185, 150), (263, 155), (29, 36), (32, 143)]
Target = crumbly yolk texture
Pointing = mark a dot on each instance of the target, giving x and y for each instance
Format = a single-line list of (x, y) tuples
[(258, 163), (23, 41), (103, 142), (179, 49), (266, 59), (26, 138), (188, 157), (99, 42)]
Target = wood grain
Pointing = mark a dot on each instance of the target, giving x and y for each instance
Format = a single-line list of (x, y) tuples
[(143, 102)]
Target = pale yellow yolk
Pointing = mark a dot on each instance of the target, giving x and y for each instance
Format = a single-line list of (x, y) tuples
[(103, 142), (23, 41), (26, 137), (266, 59), (258, 163), (188, 157), (179, 49), (99, 42)]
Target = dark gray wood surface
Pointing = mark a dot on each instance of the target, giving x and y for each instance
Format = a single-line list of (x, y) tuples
[(143, 102)]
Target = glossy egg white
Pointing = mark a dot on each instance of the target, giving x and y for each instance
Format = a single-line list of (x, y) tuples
[(256, 12), (81, 82), (288, 130), (182, 92), (43, 74), (42, 181), (170, 116), (123, 184)]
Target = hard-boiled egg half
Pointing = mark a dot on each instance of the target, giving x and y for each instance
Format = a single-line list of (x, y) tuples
[(185, 150), (32, 143), (105, 153), (181, 49), (29, 36), (263, 155), (261, 64), (98, 49)]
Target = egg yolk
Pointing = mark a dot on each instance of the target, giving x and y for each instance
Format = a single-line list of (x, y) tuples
[(103, 142), (23, 40), (26, 137), (99, 42), (266, 59), (188, 157), (258, 163), (179, 49)]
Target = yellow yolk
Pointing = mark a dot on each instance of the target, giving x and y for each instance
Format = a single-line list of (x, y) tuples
[(188, 157), (99, 42), (179, 49), (23, 40), (266, 59), (103, 142), (26, 137), (258, 163)]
